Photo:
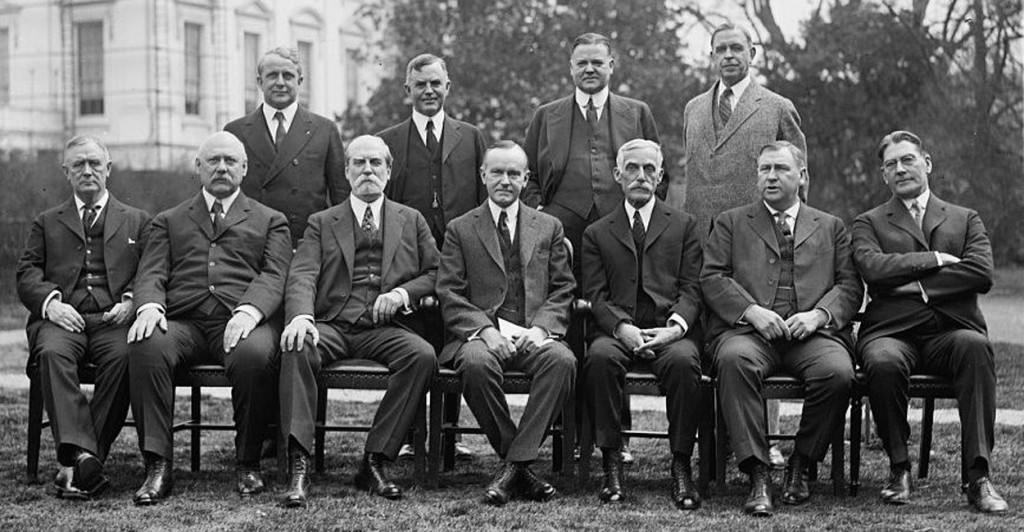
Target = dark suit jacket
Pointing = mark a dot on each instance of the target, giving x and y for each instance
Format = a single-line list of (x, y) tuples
[(672, 259), (742, 267), (462, 155), (55, 252), (720, 173), (306, 176), (472, 282), (320, 278), (246, 262), (889, 250), (547, 142)]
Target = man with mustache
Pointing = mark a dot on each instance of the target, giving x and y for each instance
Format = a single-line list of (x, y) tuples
[(76, 277), (210, 282), (641, 265), (360, 270)]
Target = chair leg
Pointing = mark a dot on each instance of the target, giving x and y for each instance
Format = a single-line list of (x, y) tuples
[(721, 443), (565, 453), (448, 427), (319, 434), (839, 463), (927, 419), (420, 440), (195, 431), (558, 441), (586, 443), (856, 409), (706, 441), (35, 427), (434, 462)]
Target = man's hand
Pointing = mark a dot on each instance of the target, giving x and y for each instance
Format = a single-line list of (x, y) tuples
[(767, 323), (803, 324), (632, 337), (65, 316), (144, 324), (295, 334), (119, 313), (237, 329), (531, 339), (945, 259), (658, 336), (497, 344), (386, 306)]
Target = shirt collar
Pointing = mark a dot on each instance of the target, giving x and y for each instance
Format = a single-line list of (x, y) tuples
[(289, 114), (421, 120), (512, 211), (101, 203), (791, 212), (737, 90), (599, 100), (645, 212), (921, 200), (226, 202), (359, 208)]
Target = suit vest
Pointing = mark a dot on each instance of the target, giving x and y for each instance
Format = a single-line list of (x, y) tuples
[(513, 308), (422, 189), (588, 179), (785, 294), (643, 314), (91, 292), (366, 279)]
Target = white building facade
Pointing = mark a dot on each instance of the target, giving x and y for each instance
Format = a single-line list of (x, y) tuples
[(153, 78)]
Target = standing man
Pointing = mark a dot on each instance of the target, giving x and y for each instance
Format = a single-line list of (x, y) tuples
[(361, 268), (925, 262), (296, 157), (505, 288), (75, 277), (212, 274), (724, 128), (640, 271), (780, 282), (437, 158)]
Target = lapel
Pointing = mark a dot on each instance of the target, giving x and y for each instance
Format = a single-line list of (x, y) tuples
[(805, 225), (451, 136), (559, 131), (761, 222), (899, 217), (705, 119), (200, 216), (658, 223), (394, 225), (299, 134), (745, 108), (621, 227), (68, 215), (488, 233), (934, 215), (237, 214), (257, 138), (528, 234), (342, 228), (115, 218), (401, 153), (623, 119)]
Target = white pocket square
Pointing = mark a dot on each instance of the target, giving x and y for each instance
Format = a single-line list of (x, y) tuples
[(130, 241)]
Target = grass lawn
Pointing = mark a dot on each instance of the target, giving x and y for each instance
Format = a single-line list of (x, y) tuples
[(206, 500)]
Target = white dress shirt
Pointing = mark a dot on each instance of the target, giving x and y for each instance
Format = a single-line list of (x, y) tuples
[(289, 114), (420, 121), (645, 216), (599, 100), (737, 91)]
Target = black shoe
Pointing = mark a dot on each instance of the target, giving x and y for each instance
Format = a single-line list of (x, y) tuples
[(533, 487), (983, 497), (249, 480), (298, 485), (796, 486), (684, 493), (897, 489), (759, 502), (371, 478), (159, 481), (611, 488), (88, 472), (64, 483), (499, 491)]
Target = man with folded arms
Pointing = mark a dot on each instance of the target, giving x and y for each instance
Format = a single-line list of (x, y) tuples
[(505, 288), (75, 277), (780, 283)]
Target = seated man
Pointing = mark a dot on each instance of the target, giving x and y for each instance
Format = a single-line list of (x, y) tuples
[(212, 274), (505, 287), (640, 272), (75, 277), (925, 262), (359, 269), (780, 283)]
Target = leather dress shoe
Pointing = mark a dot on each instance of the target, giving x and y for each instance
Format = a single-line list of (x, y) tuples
[(158, 484), (684, 493), (88, 472), (249, 480), (533, 487), (298, 484), (759, 502), (611, 487), (406, 452), (983, 497), (371, 478), (499, 491), (64, 482), (796, 488), (897, 489)]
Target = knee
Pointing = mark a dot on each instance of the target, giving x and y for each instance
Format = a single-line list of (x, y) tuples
[(424, 358), (603, 355), (884, 360), (561, 359), (474, 361), (249, 360), (683, 357), (730, 360)]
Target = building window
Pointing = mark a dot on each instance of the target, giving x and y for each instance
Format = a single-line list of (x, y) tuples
[(251, 58), (193, 71), (5, 66), (306, 59), (352, 76), (90, 68)]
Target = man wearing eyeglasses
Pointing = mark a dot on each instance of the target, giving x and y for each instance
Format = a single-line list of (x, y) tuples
[(641, 264), (925, 261), (361, 268)]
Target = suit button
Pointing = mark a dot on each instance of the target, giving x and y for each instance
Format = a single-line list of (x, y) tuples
[(213, 244), (212, 288), (88, 252), (295, 190), (89, 288), (771, 261), (213, 263), (295, 162), (770, 281), (79, 248)]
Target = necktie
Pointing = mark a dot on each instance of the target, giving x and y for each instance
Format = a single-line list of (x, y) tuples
[(218, 215), (639, 233), (725, 106), (591, 112), (503, 232), (89, 215), (431, 138), (280, 134), (367, 224), (915, 212), (783, 226)]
